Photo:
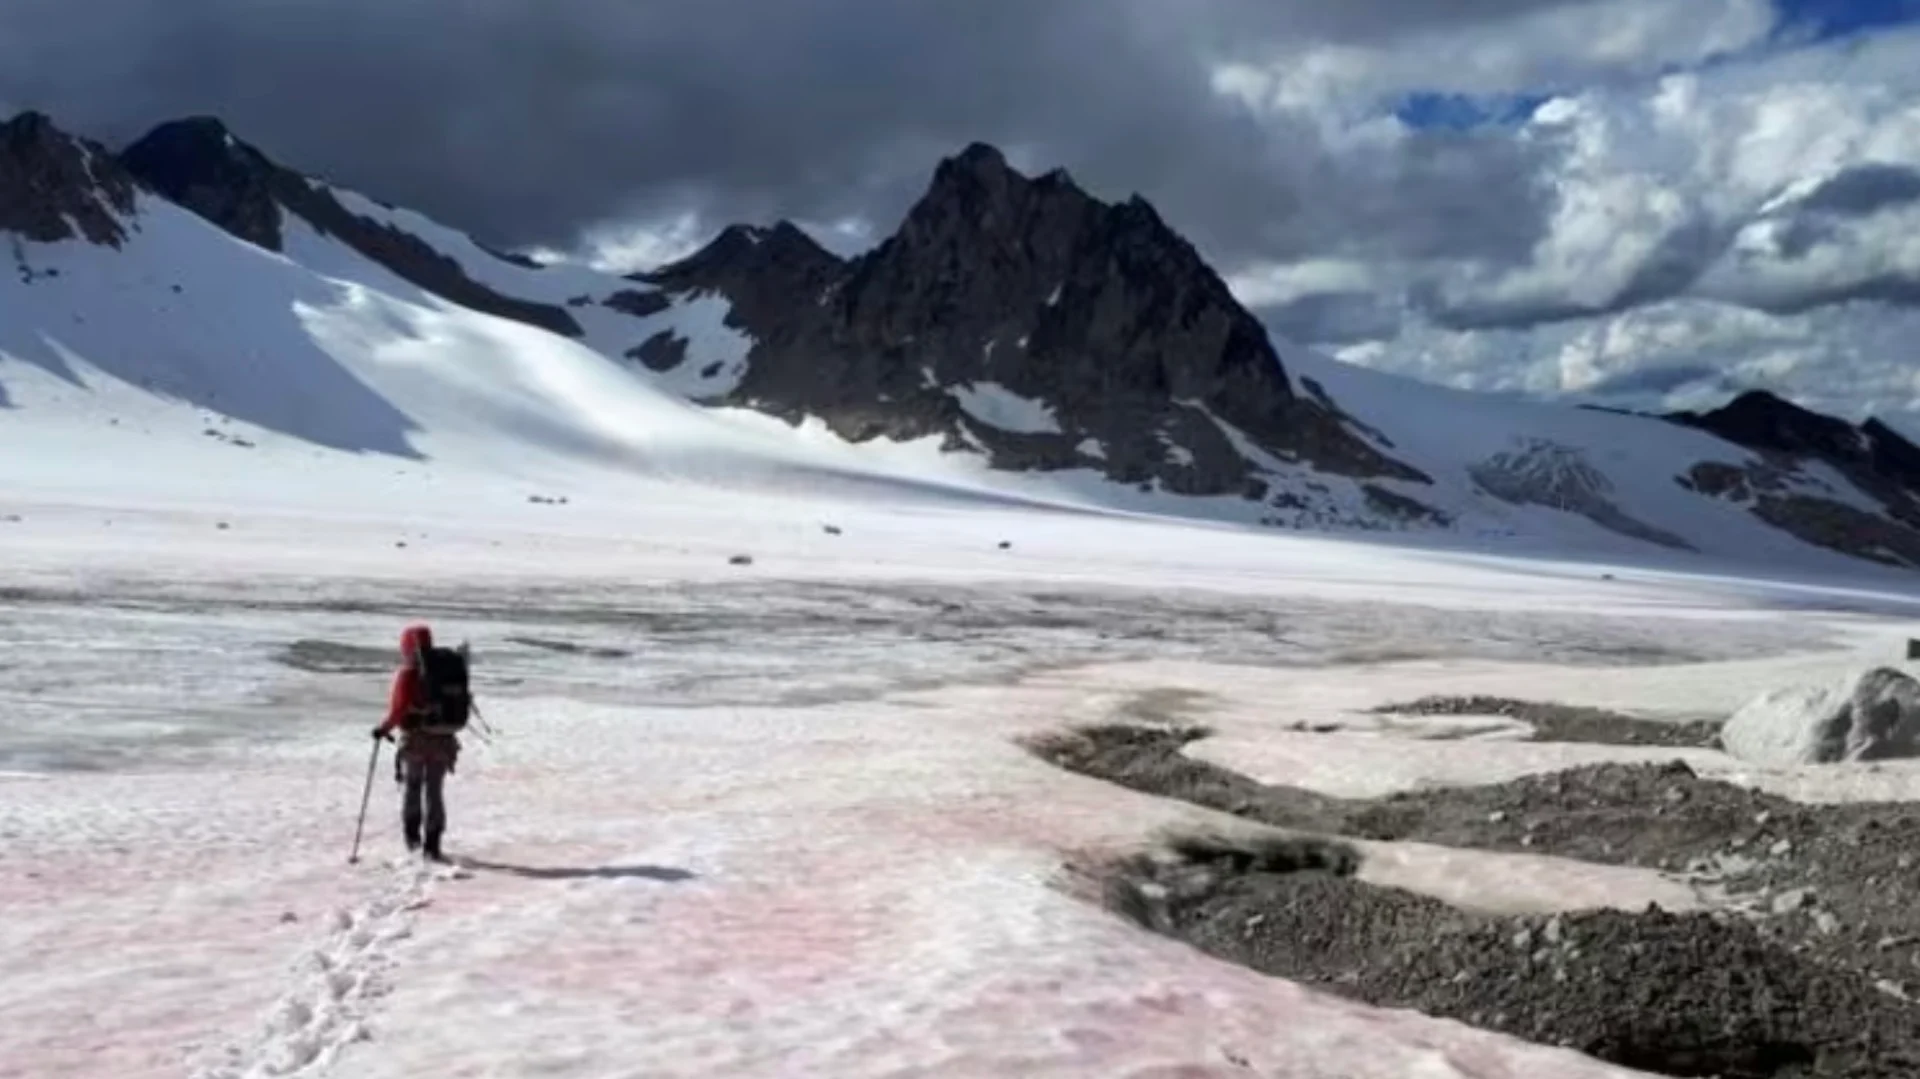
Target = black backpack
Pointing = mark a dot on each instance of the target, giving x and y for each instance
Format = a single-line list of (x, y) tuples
[(446, 702)]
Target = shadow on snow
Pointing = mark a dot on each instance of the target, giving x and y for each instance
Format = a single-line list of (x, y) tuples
[(664, 874)]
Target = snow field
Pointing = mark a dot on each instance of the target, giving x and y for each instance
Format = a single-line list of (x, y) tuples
[(785, 829), (864, 887)]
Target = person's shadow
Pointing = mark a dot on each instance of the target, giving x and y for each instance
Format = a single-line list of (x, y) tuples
[(664, 874)]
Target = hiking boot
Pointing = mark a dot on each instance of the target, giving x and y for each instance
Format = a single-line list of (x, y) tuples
[(433, 850)]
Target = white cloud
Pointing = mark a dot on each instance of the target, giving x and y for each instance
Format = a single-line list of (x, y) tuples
[(1552, 48), (1273, 284), (845, 237), (630, 246), (1853, 360), (1721, 228)]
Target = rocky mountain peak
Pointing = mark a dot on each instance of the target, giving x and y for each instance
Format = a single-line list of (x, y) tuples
[(1763, 421), (977, 205), (767, 274), (197, 163), (1035, 285), (55, 187), (742, 253), (1027, 319)]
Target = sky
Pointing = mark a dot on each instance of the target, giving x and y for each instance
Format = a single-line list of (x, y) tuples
[(1646, 203)]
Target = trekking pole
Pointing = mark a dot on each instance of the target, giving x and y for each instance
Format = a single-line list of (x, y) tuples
[(365, 796), (480, 722)]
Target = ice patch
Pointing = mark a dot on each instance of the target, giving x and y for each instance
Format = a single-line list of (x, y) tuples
[(997, 406)]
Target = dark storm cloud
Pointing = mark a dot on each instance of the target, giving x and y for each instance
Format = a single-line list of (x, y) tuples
[(1334, 318), (1663, 380), (1889, 289), (1367, 21), (1864, 190), (1671, 269), (526, 121)]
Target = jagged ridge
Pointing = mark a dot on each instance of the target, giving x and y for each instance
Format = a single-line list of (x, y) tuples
[(198, 164), (1099, 313)]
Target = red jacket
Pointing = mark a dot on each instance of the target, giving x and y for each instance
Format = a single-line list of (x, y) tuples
[(406, 695)]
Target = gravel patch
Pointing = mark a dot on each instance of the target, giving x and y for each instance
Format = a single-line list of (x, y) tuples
[(1569, 723), (1837, 882), (1821, 912), (1674, 994), (1148, 759)]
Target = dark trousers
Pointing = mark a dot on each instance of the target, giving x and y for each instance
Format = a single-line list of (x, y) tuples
[(425, 778)]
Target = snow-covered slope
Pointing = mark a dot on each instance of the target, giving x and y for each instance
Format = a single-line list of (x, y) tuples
[(173, 359), (1532, 474), (233, 326)]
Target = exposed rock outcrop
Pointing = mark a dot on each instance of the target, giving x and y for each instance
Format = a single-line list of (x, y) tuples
[(1872, 457), (1762, 421), (1541, 473), (1777, 493), (664, 351), (55, 187)]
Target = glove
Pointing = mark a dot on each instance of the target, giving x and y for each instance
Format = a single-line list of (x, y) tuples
[(381, 733)]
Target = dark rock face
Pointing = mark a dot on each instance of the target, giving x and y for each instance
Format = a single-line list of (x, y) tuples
[(54, 187), (198, 164), (1873, 457), (1761, 421), (664, 351), (1837, 526), (636, 303), (1097, 316), (764, 273)]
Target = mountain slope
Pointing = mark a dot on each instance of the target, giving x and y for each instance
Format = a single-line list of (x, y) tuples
[(141, 348), (1055, 347)]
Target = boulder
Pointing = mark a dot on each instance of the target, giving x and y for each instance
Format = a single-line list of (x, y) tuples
[(1872, 715)]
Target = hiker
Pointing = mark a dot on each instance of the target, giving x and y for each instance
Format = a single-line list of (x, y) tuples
[(429, 707)]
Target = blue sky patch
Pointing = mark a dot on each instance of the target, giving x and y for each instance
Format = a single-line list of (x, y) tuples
[(1459, 112), (1826, 19)]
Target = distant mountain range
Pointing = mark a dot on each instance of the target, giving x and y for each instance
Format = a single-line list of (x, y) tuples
[(1015, 319)]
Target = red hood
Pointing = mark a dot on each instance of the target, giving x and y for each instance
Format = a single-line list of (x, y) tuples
[(414, 641)]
